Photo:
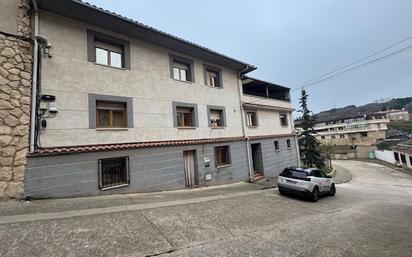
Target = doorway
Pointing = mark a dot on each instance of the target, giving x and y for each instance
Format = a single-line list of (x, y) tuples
[(257, 160), (191, 177)]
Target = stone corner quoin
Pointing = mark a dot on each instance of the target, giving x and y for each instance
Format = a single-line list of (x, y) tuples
[(15, 97)]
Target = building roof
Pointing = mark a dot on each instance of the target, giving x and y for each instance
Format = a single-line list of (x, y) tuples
[(91, 14), (405, 146), (246, 80)]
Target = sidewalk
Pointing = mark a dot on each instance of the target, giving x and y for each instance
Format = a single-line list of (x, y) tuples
[(11, 208)]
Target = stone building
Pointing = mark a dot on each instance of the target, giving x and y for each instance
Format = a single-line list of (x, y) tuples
[(15, 94)]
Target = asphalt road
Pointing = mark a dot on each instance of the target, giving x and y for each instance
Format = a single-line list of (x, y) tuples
[(369, 216)]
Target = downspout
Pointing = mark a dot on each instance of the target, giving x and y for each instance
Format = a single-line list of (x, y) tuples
[(34, 80), (243, 124), (296, 140)]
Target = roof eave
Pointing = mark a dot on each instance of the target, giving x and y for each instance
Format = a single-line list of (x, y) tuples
[(93, 15)]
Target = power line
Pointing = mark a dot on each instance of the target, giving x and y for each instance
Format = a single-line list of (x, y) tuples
[(355, 62), (354, 68)]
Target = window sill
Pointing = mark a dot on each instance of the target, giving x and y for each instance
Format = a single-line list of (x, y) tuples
[(252, 127), (187, 127), (113, 187), (214, 87), (221, 127), (184, 81), (223, 166), (104, 65), (111, 129), (278, 150), (289, 148)]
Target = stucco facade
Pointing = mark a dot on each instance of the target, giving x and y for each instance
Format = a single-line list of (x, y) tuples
[(71, 78), (70, 149)]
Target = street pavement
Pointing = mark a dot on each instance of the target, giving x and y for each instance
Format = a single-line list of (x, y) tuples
[(370, 216)]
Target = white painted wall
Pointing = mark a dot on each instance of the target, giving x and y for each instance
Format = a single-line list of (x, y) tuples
[(385, 155)]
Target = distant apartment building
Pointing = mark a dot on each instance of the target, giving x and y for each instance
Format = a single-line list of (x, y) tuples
[(396, 115), (122, 107), (363, 130)]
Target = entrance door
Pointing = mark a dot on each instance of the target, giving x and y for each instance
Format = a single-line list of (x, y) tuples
[(190, 168), (257, 160)]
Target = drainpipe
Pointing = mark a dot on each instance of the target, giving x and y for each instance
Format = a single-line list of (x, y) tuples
[(296, 140), (34, 79), (249, 164)]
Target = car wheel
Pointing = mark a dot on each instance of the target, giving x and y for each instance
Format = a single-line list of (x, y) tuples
[(332, 191), (315, 195), (282, 192)]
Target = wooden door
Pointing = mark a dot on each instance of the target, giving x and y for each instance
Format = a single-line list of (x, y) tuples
[(190, 168)]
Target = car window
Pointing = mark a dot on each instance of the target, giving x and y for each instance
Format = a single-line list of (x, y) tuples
[(317, 173)]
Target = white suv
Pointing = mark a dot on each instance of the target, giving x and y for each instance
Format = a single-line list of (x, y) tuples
[(307, 181)]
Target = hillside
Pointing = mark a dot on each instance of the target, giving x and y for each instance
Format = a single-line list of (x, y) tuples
[(353, 110)]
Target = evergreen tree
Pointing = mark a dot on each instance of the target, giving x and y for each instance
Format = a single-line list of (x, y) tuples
[(308, 144)]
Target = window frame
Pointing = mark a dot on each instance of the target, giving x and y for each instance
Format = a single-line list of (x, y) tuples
[(100, 173), (182, 60), (94, 98), (289, 144), (93, 36), (247, 119), (195, 117), (276, 145), (403, 158), (229, 158), (223, 115), (210, 68), (396, 156), (286, 119), (111, 114)]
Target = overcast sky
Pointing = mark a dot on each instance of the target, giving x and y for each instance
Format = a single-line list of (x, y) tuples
[(292, 41)]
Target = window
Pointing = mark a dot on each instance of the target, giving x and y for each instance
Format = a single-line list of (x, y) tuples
[(403, 158), (410, 160), (113, 172), (322, 137), (288, 143), (333, 136), (111, 115), (396, 156), (212, 76), (184, 117), (283, 119), (364, 134), (222, 156), (251, 119), (216, 116), (107, 50), (276, 145), (108, 54), (106, 111), (317, 173), (181, 68), (342, 136)]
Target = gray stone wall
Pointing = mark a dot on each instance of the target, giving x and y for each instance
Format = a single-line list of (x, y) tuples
[(15, 95)]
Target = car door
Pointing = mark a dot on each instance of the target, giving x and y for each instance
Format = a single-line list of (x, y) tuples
[(320, 180), (327, 182)]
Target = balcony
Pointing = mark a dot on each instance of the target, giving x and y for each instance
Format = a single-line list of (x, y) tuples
[(261, 94)]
